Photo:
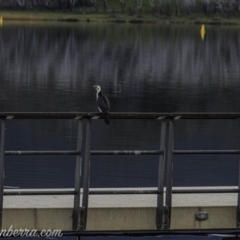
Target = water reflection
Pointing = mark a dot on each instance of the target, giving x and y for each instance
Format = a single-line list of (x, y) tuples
[(150, 63), (141, 68)]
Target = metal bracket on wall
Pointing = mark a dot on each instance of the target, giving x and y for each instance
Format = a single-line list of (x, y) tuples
[(201, 215)]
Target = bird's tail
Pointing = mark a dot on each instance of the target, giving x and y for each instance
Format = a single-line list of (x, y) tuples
[(107, 118)]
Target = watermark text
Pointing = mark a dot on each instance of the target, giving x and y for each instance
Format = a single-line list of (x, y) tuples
[(24, 232)]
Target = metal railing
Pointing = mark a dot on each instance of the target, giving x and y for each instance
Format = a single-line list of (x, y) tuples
[(83, 153)]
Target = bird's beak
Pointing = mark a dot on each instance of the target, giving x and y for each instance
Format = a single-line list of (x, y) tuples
[(94, 86)]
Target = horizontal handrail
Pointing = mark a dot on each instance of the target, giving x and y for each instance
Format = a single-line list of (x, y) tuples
[(118, 192), (122, 152), (175, 191), (126, 152), (42, 152), (94, 152), (180, 152), (187, 191), (41, 192), (118, 115)]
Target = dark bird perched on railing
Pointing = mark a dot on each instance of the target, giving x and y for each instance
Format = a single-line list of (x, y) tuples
[(103, 104)]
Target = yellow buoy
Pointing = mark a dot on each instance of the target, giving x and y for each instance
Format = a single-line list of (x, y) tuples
[(202, 32), (1, 21)]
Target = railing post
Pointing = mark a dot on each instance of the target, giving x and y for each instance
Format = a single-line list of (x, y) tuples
[(238, 196), (76, 204), (161, 170), (86, 175), (2, 156), (168, 202)]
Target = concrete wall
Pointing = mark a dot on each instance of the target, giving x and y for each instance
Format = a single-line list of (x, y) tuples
[(119, 212)]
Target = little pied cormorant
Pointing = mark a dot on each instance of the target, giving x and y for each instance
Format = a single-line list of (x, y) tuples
[(103, 104)]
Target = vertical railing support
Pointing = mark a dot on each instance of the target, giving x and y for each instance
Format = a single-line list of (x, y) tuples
[(161, 170), (168, 202), (86, 175), (2, 156), (76, 204), (238, 196)]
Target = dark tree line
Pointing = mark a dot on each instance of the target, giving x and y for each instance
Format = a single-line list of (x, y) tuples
[(162, 7)]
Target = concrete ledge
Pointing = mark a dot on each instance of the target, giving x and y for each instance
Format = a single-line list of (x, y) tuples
[(119, 212)]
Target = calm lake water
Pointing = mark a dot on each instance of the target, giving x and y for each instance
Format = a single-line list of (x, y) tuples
[(141, 68)]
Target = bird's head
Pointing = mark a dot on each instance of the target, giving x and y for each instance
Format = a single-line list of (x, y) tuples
[(97, 88)]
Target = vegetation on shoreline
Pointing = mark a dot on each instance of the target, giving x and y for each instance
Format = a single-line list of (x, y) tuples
[(118, 18), (134, 11)]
